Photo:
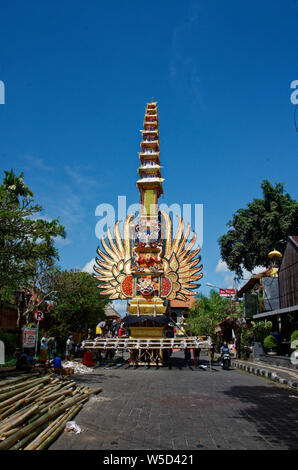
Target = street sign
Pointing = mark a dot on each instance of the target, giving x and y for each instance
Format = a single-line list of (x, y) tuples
[(226, 292), (38, 316), (29, 337)]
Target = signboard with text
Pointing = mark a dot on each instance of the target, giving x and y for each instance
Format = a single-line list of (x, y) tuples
[(29, 337), (227, 292)]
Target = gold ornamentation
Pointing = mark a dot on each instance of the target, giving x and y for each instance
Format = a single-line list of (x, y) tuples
[(180, 263), (115, 264)]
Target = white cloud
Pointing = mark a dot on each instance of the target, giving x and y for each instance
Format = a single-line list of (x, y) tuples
[(228, 276), (62, 241), (78, 176), (38, 163), (256, 270), (88, 268), (221, 267)]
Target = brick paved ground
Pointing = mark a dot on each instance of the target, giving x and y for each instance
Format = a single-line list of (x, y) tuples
[(183, 409)]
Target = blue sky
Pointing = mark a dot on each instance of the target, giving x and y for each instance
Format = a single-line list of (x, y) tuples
[(78, 75)]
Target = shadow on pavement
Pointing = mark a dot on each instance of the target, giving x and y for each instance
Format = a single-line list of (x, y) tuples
[(273, 411)]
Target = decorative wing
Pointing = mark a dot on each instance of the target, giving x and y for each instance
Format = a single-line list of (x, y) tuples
[(179, 262), (114, 264)]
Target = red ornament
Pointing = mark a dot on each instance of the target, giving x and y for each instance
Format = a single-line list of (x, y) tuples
[(127, 286), (166, 286)]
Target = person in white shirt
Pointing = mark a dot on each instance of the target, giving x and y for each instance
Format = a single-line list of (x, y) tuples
[(44, 348), (68, 348)]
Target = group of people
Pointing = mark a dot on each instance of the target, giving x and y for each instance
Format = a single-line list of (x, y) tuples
[(111, 329), (26, 360)]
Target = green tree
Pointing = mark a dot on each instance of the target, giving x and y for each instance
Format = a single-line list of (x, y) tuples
[(77, 303), (25, 239), (208, 312), (255, 231), (40, 284)]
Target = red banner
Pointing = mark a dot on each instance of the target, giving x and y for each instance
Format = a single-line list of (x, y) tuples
[(227, 292)]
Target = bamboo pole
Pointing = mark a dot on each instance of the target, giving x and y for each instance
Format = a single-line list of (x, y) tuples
[(4, 383), (52, 390), (13, 399), (48, 392), (5, 396), (20, 383), (93, 391), (8, 433), (19, 419), (46, 389), (46, 407), (49, 406), (60, 387), (17, 385), (18, 373), (10, 441), (33, 391), (9, 409), (23, 442), (20, 410), (47, 431), (42, 414), (55, 395), (16, 413), (47, 442)]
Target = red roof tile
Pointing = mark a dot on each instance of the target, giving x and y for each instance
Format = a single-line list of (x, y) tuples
[(183, 303)]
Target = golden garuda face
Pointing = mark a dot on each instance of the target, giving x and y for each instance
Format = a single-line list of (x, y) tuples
[(171, 262)]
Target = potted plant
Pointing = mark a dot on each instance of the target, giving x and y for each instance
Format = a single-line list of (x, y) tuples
[(270, 345), (294, 340), (260, 330)]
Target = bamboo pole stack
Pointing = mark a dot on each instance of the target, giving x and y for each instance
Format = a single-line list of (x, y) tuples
[(35, 409)]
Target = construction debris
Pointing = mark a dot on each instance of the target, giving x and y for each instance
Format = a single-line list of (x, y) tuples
[(72, 426), (77, 367), (34, 409)]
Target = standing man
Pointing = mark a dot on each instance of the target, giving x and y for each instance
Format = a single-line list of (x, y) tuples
[(212, 351), (187, 357), (68, 348), (44, 349), (197, 352)]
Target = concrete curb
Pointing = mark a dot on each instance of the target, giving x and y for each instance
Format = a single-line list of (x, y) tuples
[(257, 370)]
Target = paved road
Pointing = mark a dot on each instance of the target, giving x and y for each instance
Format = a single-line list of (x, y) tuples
[(183, 409)]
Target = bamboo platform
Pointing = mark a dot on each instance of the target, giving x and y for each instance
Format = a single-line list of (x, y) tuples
[(145, 343)]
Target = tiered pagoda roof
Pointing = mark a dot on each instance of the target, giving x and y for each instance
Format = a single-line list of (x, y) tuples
[(149, 171)]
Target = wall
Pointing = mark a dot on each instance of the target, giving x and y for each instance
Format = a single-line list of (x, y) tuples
[(8, 318), (288, 276)]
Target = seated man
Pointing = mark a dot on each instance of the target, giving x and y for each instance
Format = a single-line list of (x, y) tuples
[(30, 358), (57, 364), (22, 363)]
